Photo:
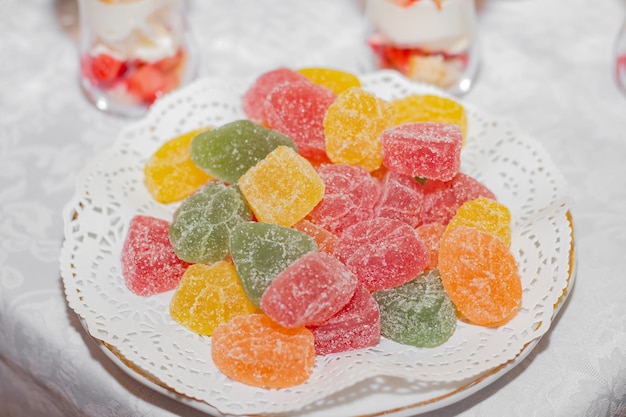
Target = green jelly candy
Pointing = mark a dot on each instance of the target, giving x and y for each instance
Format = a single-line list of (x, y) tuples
[(418, 313), (228, 151), (200, 230), (260, 251)]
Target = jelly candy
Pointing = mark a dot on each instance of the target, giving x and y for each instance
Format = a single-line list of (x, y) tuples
[(169, 174), (382, 253), (325, 240), (487, 215), (255, 96), (228, 151), (400, 198), (200, 230), (480, 276), (426, 150), (350, 196), (297, 109), (355, 326), (282, 188), (442, 199), (149, 264), (431, 234), (352, 126), (254, 350), (418, 313), (430, 108), (208, 295), (333, 79), (261, 251), (309, 291)]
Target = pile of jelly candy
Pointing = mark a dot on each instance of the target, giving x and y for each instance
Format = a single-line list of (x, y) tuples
[(326, 220)]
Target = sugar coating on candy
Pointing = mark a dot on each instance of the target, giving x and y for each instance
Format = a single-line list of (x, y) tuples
[(418, 313), (309, 291), (356, 326), (261, 251), (487, 215), (426, 150), (208, 295), (400, 198), (149, 264), (325, 240), (228, 151), (297, 109), (200, 230), (256, 351), (382, 253), (254, 97), (430, 108), (282, 188), (431, 234), (350, 196), (333, 79), (352, 126), (169, 174), (442, 199), (480, 276)]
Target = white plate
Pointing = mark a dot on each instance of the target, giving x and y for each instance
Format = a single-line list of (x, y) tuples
[(138, 333)]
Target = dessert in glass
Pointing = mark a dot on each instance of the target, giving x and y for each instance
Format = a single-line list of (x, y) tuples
[(132, 52), (432, 41)]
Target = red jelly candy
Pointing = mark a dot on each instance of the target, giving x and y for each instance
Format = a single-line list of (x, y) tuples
[(442, 199), (426, 150), (350, 196), (309, 291), (149, 264), (400, 198), (356, 326), (254, 98), (383, 253), (297, 109)]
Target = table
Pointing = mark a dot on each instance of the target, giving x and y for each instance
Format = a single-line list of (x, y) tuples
[(545, 64)]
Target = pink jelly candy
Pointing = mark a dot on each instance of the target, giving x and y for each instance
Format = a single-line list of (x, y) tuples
[(356, 326), (383, 253), (400, 198), (254, 98), (149, 264), (442, 200), (309, 291), (297, 110), (426, 150), (350, 196)]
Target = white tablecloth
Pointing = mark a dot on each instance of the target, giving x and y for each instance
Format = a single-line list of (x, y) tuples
[(545, 64)]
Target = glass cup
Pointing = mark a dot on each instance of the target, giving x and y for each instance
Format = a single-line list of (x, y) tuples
[(431, 41), (620, 58), (132, 52)]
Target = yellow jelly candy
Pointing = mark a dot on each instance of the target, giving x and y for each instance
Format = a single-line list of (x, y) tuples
[(352, 126), (484, 214), (282, 188), (430, 108), (333, 79), (169, 174), (208, 295)]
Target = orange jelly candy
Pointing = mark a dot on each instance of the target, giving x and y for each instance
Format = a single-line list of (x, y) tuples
[(256, 351), (430, 108), (208, 295), (326, 241), (282, 188), (431, 234), (170, 174), (487, 215), (352, 126), (333, 79), (480, 275)]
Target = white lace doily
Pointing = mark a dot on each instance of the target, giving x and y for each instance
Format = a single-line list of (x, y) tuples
[(110, 192)]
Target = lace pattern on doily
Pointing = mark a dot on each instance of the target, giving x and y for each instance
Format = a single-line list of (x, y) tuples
[(110, 192)]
